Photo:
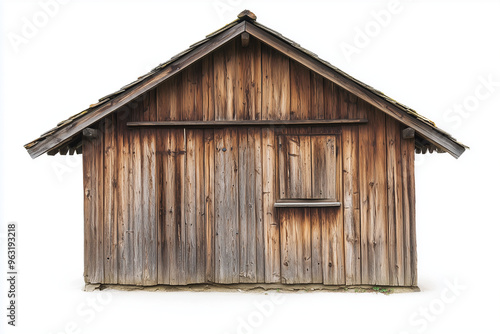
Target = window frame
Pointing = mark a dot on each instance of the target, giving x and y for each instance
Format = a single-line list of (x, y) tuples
[(329, 193)]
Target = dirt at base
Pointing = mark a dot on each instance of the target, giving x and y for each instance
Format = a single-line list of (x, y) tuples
[(257, 288)]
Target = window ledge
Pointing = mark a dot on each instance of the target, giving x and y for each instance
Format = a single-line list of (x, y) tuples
[(306, 203)]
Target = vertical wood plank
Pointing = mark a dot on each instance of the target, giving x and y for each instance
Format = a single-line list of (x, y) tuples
[(225, 81), (173, 205), (406, 155), (414, 272), (110, 195), (256, 134), (332, 100), (190, 206), (192, 108), (209, 165), (317, 97), (149, 184), (248, 92), (243, 210), (208, 87), (137, 231), (305, 163), (304, 246), (338, 218), (345, 101), (398, 205), (288, 246), (395, 204), (323, 164), (172, 228), (380, 246), (271, 227), (351, 206), (247, 205), (406, 214), (149, 229), (175, 227), (275, 84), (295, 234), (179, 184), (283, 168), (316, 248), (391, 203), (88, 209), (350, 142), (254, 161), (201, 249), (99, 206), (169, 99), (192, 96), (366, 182), (226, 200), (295, 154), (125, 237), (209, 203), (300, 91), (162, 191), (332, 246)]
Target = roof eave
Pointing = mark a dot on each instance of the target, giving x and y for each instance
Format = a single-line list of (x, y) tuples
[(61, 135), (431, 134), (275, 40)]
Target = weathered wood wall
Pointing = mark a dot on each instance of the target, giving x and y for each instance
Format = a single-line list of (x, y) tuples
[(183, 206)]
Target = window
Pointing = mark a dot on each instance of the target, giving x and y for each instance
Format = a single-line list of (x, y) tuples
[(307, 170)]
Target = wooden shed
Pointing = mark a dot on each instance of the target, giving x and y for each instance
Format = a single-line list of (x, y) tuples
[(248, 159)]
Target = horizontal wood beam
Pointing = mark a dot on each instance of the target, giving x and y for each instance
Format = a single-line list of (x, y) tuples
[(408, 133), (306, 203), (214, 124), (90, 133)]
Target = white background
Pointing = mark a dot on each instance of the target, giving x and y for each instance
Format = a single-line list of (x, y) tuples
[(432, 55)]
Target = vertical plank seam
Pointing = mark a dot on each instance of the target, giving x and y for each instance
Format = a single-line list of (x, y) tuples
[(115, 206), (262, 190), (159, 190), (238, 244), (389, 248), (101, 239), (340, 169), (386, 175), (361, 206), (276, 218)]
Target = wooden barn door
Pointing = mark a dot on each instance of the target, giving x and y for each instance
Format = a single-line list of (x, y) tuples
[(181, 196)]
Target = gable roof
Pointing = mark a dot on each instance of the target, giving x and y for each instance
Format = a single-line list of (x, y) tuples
[(66, 136)]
